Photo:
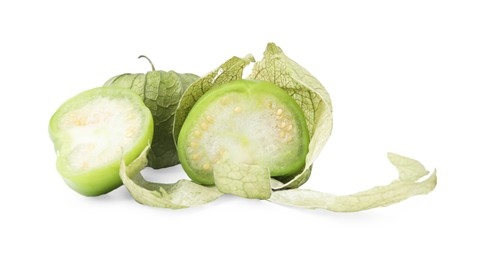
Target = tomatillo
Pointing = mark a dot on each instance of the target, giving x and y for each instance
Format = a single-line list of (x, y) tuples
[(161, 92), (245, 121), (93, 131)]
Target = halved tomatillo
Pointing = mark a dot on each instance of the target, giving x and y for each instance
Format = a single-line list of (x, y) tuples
[(92, 131), (245, 121)]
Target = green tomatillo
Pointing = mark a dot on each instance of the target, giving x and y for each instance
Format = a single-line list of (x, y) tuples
[(92, 131), (244, 121), (161, 92)]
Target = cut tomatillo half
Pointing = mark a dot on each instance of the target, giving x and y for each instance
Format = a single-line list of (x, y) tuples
[(245, 121), (92, 131)]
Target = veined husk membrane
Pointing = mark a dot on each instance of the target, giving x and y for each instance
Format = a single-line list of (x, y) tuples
[(161, 92), (315, 102)]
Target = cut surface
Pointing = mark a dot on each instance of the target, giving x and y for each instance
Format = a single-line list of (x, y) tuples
[(250, 122), (92, 130), (98, 131)]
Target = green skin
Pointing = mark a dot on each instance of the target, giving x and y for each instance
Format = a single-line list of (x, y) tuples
[(253, 88), (105, 178)]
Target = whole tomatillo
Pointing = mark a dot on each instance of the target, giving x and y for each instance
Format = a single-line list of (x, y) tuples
[(161, 92)]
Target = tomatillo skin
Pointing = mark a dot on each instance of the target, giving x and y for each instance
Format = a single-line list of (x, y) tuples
[(92, 131), (245, 121)]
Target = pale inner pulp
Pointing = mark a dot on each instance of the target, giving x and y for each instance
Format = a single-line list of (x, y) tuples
[(244, 129), (99, 131)]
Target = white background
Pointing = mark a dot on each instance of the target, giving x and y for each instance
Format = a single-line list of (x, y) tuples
[(411, 77)]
